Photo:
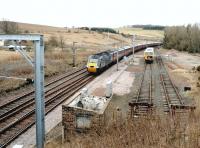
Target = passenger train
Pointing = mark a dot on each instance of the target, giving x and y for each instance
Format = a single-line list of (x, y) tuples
[(101, 61)]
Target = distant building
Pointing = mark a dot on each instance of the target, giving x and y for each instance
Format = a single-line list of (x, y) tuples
[(1, 42)]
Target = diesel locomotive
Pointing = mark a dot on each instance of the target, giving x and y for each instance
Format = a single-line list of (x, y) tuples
[(149, 55), (101, 61)]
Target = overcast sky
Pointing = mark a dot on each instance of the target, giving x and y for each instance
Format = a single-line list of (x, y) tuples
[(102, 13)]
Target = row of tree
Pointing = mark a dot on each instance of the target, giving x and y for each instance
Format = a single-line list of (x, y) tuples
[(183, 38), (148, 27), (8, 27), (99, 29)]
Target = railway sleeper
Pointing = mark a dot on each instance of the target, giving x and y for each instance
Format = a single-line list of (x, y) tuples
[(185, 107), (132, 104)]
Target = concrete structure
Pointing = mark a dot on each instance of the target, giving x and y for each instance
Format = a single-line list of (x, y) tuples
[(84, 112), (109, 89), (1, 42)]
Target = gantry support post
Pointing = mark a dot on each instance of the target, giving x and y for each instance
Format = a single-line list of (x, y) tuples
[(39, 81), (39, 92)]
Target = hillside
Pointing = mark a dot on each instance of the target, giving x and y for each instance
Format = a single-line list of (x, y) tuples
[(87, 44), (38, 28), (83, 38), (144, 34)]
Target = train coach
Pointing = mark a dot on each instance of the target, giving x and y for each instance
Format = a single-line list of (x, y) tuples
[(103, 60)]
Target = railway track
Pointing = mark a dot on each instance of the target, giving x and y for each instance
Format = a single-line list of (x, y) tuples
[(22, 97), (142, 104), (18, 115), (18, 102), (157, 91), (173, 102)]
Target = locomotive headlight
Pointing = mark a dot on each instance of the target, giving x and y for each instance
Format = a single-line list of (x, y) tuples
[(92, 67), (92, 64)]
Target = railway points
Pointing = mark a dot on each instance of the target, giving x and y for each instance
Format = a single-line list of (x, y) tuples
[(169, 99)]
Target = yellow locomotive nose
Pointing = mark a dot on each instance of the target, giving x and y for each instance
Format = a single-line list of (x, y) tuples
[(92, 67)]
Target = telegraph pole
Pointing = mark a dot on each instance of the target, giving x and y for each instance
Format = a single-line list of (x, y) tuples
[(74, 54), (133, 39), (146, 43), (117, 56), (117, 60)]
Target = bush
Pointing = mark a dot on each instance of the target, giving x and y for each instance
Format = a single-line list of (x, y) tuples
[(53, 41), (198, 68), (26, 31), (84, 28)]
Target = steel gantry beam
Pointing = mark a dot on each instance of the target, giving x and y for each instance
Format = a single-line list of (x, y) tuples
[(39, 81)]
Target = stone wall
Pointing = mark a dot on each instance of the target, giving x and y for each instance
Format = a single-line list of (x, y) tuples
[(71, 118)]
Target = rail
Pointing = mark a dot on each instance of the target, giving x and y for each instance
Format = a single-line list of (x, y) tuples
[(142, 104), (21, 117)]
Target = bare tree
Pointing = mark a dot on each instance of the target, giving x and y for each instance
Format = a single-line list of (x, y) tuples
[(9, 27), (183, 38)]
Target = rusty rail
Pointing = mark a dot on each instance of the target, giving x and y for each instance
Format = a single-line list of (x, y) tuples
[(164, 78), (139, 105)]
